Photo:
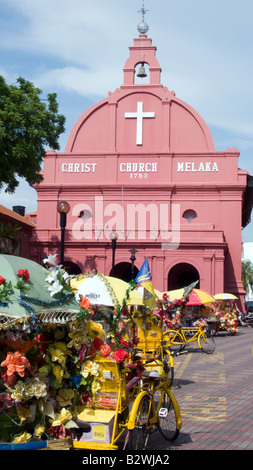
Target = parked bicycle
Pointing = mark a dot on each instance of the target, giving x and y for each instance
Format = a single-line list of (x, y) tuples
[(178, 339), (155, 408)]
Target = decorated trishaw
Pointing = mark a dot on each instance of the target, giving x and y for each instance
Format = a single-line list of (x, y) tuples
[(226, 313), (79, 371)]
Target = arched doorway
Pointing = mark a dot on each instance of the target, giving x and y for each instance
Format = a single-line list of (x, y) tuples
[(72, 268), (123, 271), (181, 275)]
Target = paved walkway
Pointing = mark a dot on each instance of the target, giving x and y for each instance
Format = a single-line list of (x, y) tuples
[(215, 396)]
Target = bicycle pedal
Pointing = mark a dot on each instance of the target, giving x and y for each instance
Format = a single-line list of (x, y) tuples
[(163, 413)]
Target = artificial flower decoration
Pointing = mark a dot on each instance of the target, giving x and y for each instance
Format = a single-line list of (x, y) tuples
[(50, 259), (85, 303), (24, 274), (16, 362), (2, 280), (105, 350), (6, 290), (120, 355), (49, 369)]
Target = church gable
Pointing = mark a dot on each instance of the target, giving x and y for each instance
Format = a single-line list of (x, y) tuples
[(140, 118)]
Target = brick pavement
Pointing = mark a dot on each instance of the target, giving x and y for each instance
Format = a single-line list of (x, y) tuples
[(215, 396)]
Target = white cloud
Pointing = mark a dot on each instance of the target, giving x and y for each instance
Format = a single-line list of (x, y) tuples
[(91, 82)]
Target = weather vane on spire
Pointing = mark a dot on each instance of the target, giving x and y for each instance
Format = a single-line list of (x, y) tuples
[(143, 26)]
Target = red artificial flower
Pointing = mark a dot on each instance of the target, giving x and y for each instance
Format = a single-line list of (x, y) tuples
[(2, 280), (165, 296), (124, 312), (124, 343), (120, 355), (105, 350), (85, 303), (58, 432), (24, 274), (85, 396), (44, 341), (10, 380), (95, 346)]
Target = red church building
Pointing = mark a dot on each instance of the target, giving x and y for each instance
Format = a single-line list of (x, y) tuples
[(142, 163)]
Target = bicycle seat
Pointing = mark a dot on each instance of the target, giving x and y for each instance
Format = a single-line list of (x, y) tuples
[(151, 373)]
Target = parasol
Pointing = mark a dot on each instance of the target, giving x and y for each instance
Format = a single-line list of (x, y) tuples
[(37, 296), (225, 296), (196, 297), (199, 297), (158, 294), (105, 290)]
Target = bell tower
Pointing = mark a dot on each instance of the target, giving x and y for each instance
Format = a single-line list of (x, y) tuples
[(142, 53)]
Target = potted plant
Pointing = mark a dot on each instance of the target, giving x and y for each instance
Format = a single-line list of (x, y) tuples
[(8, 238)]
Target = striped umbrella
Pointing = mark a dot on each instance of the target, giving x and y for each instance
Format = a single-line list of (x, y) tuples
[(225, 296), (196, 297)]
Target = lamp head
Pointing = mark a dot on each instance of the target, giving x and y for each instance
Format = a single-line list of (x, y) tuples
[(63, 207), (114, 236)]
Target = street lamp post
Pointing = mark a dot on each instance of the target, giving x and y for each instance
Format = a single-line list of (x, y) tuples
[(63, 208), (113, 237), (133, 258)]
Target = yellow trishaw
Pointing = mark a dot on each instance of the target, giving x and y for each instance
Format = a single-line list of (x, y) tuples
[(135, 398)]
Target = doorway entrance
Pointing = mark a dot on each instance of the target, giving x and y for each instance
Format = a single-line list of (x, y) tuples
[(123, 271), (182, 275)]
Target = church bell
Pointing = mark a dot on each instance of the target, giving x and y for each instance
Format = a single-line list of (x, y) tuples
[(142, 72)]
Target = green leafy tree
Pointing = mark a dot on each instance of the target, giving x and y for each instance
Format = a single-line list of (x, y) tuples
[(247, 275), (27, 124)]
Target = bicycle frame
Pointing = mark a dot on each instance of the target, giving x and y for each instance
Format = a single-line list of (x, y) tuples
[(149, 388), (193, 330)]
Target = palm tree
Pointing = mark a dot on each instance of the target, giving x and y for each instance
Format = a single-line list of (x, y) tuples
[(247, 275)]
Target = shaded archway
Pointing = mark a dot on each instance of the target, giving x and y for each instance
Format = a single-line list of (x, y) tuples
[(72, 268), (181, 275), (123, 271)]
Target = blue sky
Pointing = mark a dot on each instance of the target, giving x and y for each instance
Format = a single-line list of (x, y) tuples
[(204, 48)]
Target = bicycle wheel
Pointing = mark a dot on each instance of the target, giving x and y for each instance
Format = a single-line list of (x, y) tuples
[(206, 342), (168, 367), (174, 340), (139, 436), (169, 418)]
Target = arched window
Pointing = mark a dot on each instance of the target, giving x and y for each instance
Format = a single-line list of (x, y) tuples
[(189, 215)]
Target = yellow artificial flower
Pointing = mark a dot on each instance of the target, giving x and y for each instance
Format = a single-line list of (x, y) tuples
[(65, 396), (62, 417), (95, 329), (58, 352), (58, 372), (18, 393), (35, 388), (23, 413), (95, 387), (89, 367), (78, 334), (77, 340), (25, 437), (39, 430)]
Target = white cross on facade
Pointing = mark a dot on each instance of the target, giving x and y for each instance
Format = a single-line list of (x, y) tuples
[(139, 116)]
